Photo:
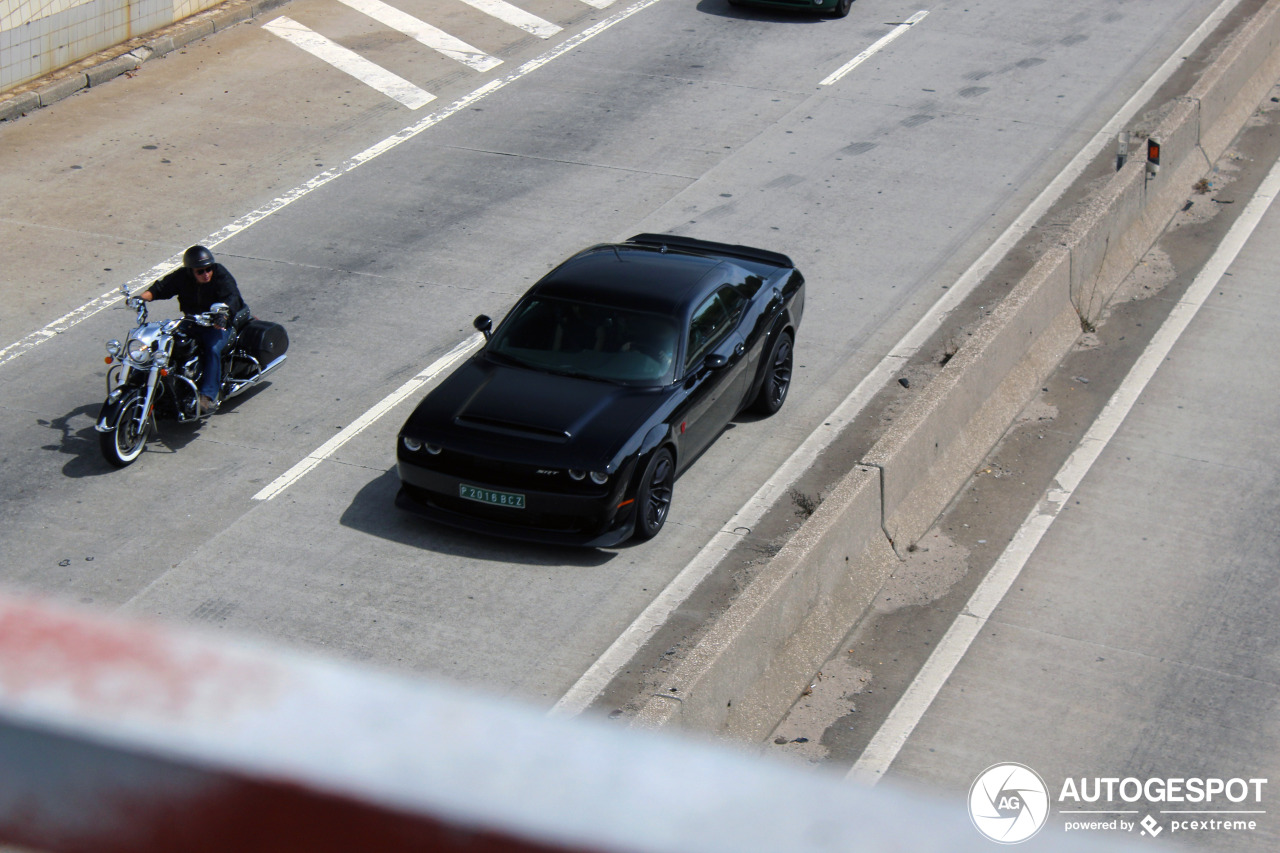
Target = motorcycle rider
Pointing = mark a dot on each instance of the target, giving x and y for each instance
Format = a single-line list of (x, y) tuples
[(198, 284)]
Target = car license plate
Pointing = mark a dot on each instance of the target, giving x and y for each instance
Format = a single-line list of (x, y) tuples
[(488, 496)]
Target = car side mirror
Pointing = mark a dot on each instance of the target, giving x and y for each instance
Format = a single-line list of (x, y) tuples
[(715, 361), (483, 325)]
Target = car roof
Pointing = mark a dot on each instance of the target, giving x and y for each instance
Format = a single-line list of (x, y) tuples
[(641, 278)]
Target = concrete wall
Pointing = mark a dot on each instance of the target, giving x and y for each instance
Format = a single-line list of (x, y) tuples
[(788, 621), (45, 42), (37, 37)]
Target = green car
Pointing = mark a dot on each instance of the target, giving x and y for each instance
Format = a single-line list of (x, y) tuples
[(832, 8)]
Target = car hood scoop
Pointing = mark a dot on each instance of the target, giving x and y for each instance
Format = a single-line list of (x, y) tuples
[(531, 405), (501, 411)]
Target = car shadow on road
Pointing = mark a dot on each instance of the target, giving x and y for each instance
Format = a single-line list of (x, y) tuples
[(723, 9), (373, 511)]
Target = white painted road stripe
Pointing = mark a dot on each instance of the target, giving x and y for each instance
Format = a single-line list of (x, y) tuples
[(619, 654), (515, 16), (599, 4), (349, 61), (370, 417), (906, 715), (436, 39), (874, 49), (111, 297)]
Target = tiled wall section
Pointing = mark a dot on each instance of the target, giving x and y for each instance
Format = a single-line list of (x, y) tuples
[(40, 36)]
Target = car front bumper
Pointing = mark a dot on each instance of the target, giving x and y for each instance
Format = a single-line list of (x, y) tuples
[(797, 5), (553, 518)]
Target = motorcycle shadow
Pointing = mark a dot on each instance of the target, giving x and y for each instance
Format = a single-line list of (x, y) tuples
[(80, 443), (373, 511), (79, 440)]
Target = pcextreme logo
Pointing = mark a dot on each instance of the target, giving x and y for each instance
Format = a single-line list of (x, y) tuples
[(1010, 803)]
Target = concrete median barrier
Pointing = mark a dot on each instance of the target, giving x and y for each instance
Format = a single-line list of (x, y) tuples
[(931, 451), (752, 664), (778, 630)]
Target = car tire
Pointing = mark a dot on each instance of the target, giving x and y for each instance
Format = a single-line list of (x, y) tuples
[(777, 375), (653, 497), (841, 9)]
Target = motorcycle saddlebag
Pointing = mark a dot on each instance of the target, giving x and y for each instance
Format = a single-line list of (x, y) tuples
[(264, 340)]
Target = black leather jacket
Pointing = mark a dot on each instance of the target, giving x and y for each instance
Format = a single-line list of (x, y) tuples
[(194, 297)]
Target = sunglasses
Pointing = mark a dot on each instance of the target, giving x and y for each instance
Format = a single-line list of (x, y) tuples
[(203, 270)]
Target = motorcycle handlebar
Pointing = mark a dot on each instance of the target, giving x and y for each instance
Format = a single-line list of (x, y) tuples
[(217, 319)]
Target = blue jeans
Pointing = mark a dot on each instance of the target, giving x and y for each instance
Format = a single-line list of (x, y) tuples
[(212, 342)]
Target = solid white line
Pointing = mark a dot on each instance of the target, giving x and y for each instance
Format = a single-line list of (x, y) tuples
[(874, 49), (370, 417), (599, 4), (436, 39), (515, 16), (111, 297), (615, 658), (350, 62), (906, 715)]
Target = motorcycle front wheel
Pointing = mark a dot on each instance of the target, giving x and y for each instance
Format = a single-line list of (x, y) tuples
[(128, 439)]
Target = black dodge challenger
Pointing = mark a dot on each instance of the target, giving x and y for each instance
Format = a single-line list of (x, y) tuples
[(603, 383)]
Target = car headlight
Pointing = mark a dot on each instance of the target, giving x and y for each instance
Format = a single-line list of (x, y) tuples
[(575, 474), (434, 449), (138, 352), (412, 444), (599, 477)]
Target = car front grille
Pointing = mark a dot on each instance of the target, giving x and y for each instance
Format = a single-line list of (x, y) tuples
[(500, 474)]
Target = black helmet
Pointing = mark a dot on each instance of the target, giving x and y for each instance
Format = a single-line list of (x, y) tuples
[(197, 257)]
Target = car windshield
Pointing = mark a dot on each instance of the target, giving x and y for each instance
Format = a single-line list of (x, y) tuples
[(591, 341)]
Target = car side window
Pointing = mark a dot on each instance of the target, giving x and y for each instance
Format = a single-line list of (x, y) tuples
[(711, 322)]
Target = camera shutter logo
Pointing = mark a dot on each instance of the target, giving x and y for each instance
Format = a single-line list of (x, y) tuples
[(1008, 803)]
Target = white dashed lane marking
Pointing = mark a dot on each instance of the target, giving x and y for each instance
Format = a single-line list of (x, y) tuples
[(369, 73), (515, 16), (420, 31)]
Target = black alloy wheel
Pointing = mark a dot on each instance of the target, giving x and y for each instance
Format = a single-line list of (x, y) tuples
[(777, 378), (653, 498)]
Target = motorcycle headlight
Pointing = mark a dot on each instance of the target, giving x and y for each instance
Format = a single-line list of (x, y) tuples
[(113, 349), (139, 352)]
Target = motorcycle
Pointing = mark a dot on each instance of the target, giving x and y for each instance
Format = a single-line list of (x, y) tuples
[(155, 373)]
